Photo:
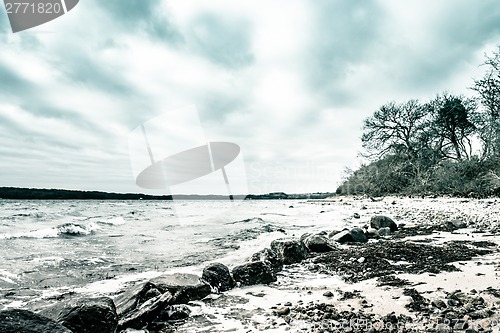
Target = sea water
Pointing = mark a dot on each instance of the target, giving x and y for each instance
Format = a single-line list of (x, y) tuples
[(51, 247)]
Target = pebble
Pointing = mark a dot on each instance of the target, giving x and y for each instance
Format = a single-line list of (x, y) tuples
[(328, 294), (283, 311)]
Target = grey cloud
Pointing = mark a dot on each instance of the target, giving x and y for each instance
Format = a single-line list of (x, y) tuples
[(134, 15), (12, 85), (344, 34), (453, 40), (82, 69), (225, 42)]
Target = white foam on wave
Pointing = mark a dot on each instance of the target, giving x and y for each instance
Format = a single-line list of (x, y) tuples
[(118, 220), (65, 229), (8, 276)]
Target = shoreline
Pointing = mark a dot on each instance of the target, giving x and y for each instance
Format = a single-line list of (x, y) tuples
[(306, 292)]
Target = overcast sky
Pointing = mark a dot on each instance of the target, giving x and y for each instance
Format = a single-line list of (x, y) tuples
[(289, 81)]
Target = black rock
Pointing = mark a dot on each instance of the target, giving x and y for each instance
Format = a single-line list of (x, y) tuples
[(183, 287), (358, 235), (356, 216), (174, 312), (85, 315), (454, 225), (133, 297), (217, 275), (343, 236), (318, 243), (145, 313), (381, 221), (24, 321), (289, 250), (255, 272), (355, 235), (269, 256)]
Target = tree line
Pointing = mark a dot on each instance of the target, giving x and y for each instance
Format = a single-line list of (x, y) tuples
[(448, 145)]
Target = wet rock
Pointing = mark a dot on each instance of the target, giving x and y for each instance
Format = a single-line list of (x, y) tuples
[(318, 243), (183, 287), (381, 221), (355, 235), (342, 237), (269, 256), (145, 313), (85, 315), (385, 231), (454, 225), (217, 275), (439, 303), (283, 311), (256, 272), (134, 296), (358, 235), (174, 312), (289, 250), (24, 321)]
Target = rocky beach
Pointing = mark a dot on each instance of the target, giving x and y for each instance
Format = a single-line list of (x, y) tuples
[(397, 264)]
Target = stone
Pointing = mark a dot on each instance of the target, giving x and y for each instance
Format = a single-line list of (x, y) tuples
[(385, 231), (455, 225), (145, 313), (283, 311), (358, 235), (217, 275), (289, 250), (252, 273), (342, 237), (174, 312), (134, 296), (318, 243), (372, 233), (183, 287), (356, 216), (24, 321), (381, 221), (328, 294), (85, 315), (269, 256)]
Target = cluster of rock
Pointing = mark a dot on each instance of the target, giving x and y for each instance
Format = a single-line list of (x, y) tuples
[(158, 303)]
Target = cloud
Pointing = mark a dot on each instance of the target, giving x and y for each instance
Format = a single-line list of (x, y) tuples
[(224, 41), (137, 15), (289, 84)]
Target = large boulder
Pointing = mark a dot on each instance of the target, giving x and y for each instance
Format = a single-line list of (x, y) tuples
[(269, 256), (358, 235), (85, 315), (255, 272), (183, 287), (24, 321), (217, 275), (133, 297), (382, 221), (318, 243), (355, 235), (145, 313), (289, 250)]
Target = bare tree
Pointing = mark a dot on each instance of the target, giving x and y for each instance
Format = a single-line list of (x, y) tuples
[(488, 89), (394, 128), (451, 128)]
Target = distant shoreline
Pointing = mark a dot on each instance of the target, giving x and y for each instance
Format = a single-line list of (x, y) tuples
[(18, 193)]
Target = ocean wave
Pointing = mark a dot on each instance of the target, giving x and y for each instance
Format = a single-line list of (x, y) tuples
[(63, 230), (118, 220), (250, 220)]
